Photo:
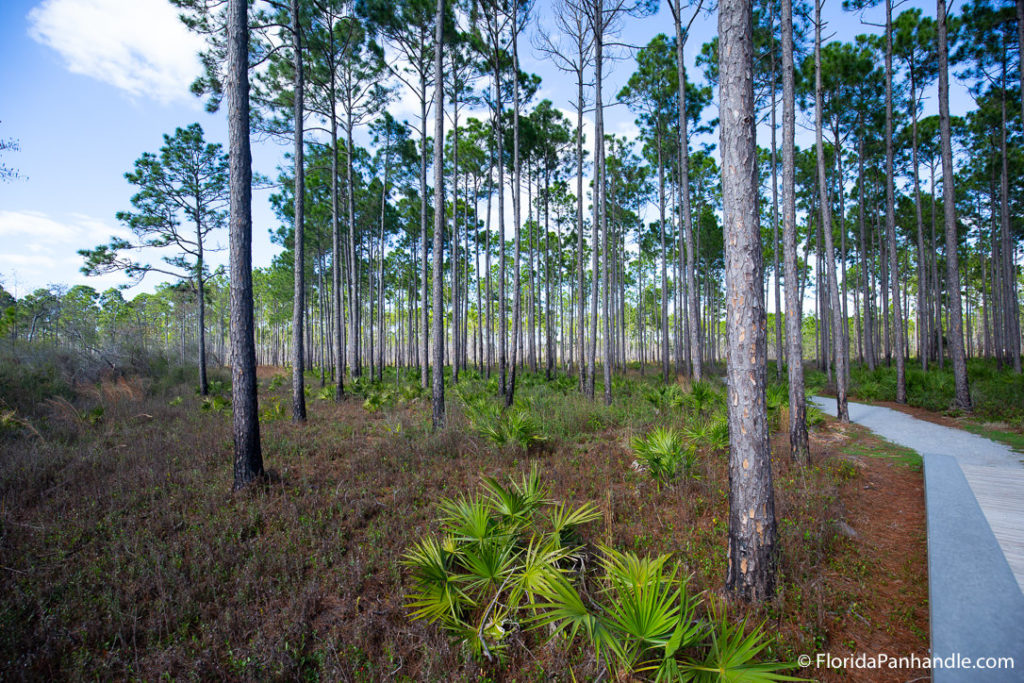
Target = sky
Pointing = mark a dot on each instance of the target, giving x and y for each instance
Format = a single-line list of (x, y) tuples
[(90, 85)]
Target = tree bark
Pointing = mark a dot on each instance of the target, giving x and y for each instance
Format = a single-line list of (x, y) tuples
[(779, 351), (798, 443), (955, 316), (581, 283), (516, 211), (752, 531), (840, 348), (424, 348), (696, 366), (598, 194), (299, 266), (248, 465), (890, 215), (664, 258), (204, 387), (437, 394)]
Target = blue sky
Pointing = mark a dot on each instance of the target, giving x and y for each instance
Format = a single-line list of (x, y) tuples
[(89, 85)]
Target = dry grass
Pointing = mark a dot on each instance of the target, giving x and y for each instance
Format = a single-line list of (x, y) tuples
[(124, 554)]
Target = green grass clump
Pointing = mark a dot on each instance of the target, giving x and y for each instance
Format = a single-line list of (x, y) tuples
[(880, 448)]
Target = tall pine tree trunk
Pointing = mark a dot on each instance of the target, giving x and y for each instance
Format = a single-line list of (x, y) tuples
[(890, 215), (437, 392), (798, 443), (248, 460), (955, 315), (684, 190), (752, 532), (299, 266), (598, 195), (581, 326), (516, 212), (424, 347), (840, 348)]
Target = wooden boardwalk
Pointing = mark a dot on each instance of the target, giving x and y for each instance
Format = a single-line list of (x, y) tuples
[(1000, 493)]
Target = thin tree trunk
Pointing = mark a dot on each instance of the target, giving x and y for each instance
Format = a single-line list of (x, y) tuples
[(922, 270), (869, 341), (890, 214), (798, 443), (581, 324), (664, 258), (779, 351), (1011, 308), (424, 347), (299, 305), (684, 189), (437, 394), (840, 348), (598, 193), (516, 211), (204, 387)]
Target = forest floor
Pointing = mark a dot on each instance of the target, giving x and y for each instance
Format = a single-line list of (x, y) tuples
[(124, 554)]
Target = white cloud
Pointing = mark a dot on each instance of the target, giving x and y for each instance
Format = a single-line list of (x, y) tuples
[(139, 46), (47, 249)]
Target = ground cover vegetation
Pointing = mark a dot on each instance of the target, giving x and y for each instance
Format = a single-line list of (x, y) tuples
[(125, 556)]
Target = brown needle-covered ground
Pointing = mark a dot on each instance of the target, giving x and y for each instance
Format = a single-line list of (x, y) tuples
[(123, 553)]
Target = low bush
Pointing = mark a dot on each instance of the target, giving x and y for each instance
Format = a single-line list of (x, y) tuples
[(511, 561), (663, 452)]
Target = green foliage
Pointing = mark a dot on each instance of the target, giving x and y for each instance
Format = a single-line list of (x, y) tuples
[(511, 560), (215, 403), (29, 376), (708, 433), (386, 396), (777, 397), (274, 411), (497, 554), (996, 395), (217, 387), (703, 397), (512, 427), (665, 396), (733, 653), (815, 416), (814, 382), (515, 426), (663, 451)]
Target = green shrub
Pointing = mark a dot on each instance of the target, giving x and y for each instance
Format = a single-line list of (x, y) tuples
[(379, 400), (777, 397), (274, 411), (814, 416), (513, 427), (663, 451), (708, 433), (512, 560), (704, 398), (665, 396), (215, 403)]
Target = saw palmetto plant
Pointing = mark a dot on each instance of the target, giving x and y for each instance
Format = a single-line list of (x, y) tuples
[(511, 561)]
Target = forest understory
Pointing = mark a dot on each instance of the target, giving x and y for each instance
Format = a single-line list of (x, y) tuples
[(125, 556)]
